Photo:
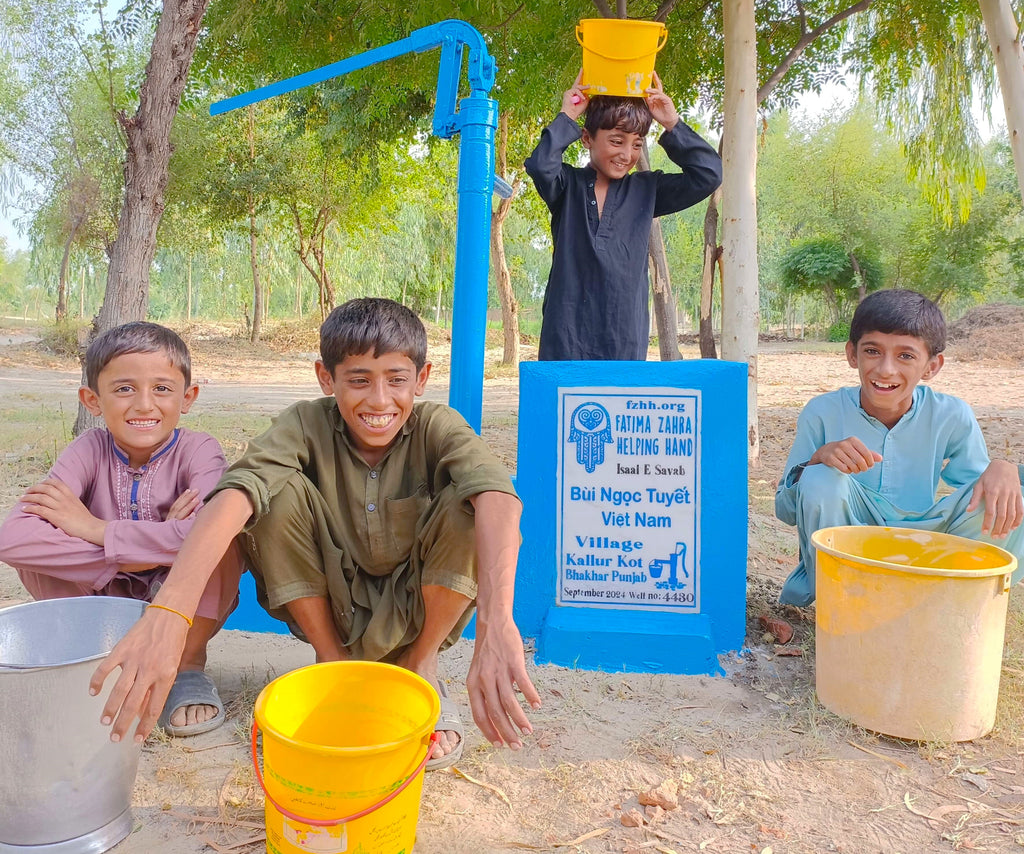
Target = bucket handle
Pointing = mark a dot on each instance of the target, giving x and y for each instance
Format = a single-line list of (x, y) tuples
[(662, 38), (333, 822)]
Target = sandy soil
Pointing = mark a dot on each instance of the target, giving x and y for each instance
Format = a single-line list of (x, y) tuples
[(759, 764)]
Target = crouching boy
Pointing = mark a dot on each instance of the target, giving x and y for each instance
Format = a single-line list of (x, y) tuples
[(372, 526), (110, 516), (873, 454)]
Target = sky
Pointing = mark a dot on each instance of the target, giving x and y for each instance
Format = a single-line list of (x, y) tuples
[(14, 240)]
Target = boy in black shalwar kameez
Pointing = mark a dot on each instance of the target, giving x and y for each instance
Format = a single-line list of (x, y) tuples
[(595, 306)]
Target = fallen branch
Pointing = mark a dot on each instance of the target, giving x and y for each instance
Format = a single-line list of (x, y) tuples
[(1014, 817), (234, 846), (210, 747), (214, 819), (895, 762), (601, 831), (484, 785)]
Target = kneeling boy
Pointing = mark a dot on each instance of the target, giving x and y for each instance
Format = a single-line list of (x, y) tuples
[(373, 525), (113, 511), (874, 454)]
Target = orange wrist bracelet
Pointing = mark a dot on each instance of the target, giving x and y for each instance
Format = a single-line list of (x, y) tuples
[(173, 611)]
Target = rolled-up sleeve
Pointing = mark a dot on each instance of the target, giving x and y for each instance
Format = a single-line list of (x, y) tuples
[(545, 164), (810, 435), (461, 458), (269, 460)]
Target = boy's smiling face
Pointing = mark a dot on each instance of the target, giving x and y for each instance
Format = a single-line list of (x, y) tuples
[(375, 396), (141, 397), (890, 367), (613, 152)]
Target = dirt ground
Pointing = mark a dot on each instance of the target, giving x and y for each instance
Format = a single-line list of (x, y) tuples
[(758, 765)]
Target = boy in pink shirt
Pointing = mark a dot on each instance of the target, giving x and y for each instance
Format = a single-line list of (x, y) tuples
[(110, 516)]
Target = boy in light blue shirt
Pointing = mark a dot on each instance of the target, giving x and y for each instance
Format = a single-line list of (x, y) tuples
[(874, 454)]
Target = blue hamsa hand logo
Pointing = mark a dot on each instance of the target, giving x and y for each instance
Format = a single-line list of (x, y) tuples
[(590, 427)]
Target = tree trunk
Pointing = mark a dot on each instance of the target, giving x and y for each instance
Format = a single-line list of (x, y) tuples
[(858, 275), (712, 250), (664, 301), (62, 280), (320, 255), (312, 259), (188, 292), (712, 257), (257, 291), (145, 170), (1004, 37), (740, 299), (254, 261), (665, 316), (509, 306)]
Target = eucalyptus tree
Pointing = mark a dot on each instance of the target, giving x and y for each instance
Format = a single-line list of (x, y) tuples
[(1006, 39), (145, 134), (833, 202), (226, 171), (58, 127), (977, 259), (389, 103)]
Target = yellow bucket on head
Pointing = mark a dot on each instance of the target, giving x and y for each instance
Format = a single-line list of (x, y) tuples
[(909, 630), (339, 740), (618, 55)]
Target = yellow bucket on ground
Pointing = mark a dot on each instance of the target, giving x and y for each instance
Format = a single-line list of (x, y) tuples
[(618, 55), (344, 747), (909, 630)]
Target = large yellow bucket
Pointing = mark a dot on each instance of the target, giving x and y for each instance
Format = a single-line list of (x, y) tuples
[(909, 632), (344, 747), (618, 55)]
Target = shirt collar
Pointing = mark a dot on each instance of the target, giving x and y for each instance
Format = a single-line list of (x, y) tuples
[(172, 440), (914, 405)]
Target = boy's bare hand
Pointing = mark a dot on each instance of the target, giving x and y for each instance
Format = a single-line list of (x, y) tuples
[(847, 455), (53, 500), (574, 99), (148, 657), (999, 488), (497, 671), (660, 104), (185, 505)]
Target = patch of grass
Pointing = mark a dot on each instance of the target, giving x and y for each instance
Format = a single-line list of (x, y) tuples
[(233, 430), (31, 438), (240, 707)]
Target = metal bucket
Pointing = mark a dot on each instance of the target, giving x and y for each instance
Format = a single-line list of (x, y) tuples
[(65, 787)]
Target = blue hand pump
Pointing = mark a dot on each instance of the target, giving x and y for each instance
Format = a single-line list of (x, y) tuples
[(476, 119)]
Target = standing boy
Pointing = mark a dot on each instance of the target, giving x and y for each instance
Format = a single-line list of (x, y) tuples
[(874, 454), (595, 305), (371, 525), (113, 511)]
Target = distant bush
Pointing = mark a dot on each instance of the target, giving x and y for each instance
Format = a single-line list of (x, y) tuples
[(67, 337), (839, 331)]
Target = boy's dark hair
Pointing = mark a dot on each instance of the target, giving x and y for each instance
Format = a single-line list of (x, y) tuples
[(605, 112), (139, 336), (371, 323), (900, 312)]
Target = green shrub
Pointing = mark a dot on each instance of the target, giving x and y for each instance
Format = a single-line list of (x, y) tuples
[(839, 332)]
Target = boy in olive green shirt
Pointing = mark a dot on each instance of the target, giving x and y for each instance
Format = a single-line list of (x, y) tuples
[(371, 525)]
